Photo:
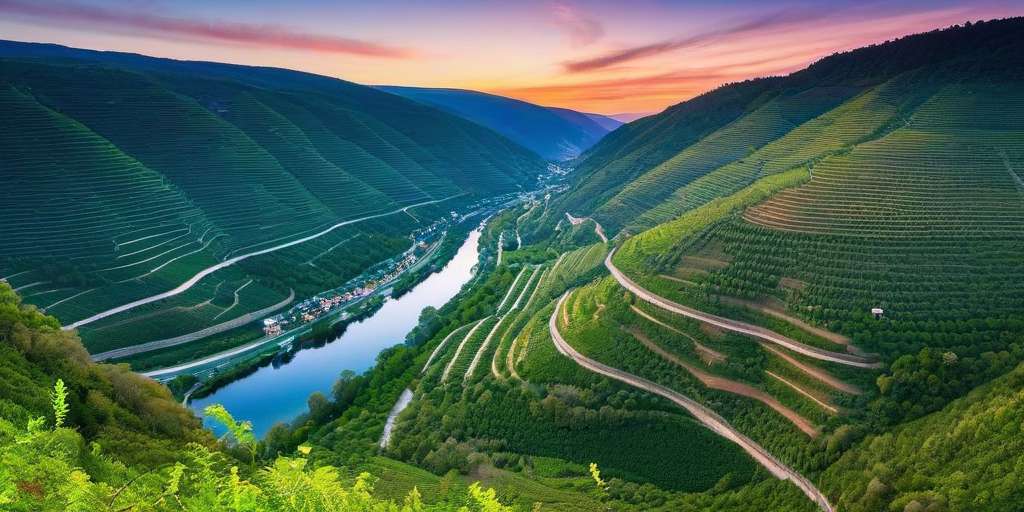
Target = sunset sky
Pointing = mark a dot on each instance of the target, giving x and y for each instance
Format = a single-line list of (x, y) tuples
[(597, 56)]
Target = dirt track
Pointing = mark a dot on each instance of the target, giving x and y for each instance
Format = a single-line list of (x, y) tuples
[(731, 386), (816, 373), (735, 325)]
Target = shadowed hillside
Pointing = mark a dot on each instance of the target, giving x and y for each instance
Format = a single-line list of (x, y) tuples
[(125, 175), (554, 133)]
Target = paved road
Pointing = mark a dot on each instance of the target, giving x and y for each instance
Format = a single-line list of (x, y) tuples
[(193, 336), (702, 414), (223, 355), (228, 262), (735, 325)]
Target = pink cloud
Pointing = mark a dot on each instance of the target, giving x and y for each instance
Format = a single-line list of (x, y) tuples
[(257, 35), (577, 25)]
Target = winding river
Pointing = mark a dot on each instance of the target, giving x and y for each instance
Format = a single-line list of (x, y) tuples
[(271, 394)]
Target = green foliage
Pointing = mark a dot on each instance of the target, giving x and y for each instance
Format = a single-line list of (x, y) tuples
[(45, 371), (59, 402), (241, 432), (967, 456), (49, 470), (644, 251)]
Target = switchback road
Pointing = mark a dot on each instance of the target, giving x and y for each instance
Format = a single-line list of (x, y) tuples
[(702, 414)]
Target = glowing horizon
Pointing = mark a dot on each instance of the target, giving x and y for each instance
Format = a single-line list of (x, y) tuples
[(594, 56)]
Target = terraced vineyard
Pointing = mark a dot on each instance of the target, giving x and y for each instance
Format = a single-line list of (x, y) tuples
[(660, 167), (128, 176), (950, 170), (733, 142)]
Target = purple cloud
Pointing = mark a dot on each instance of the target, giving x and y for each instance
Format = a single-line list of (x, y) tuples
[(242, 33)]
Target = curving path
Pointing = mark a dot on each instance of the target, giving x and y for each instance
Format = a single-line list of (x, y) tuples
[(483, 348), (702, 414), (228, 262), (510, 288), (735, 325), (598, 229)]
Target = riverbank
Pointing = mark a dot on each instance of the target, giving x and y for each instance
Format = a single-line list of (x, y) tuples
[(221, 369), (271, 393), (248, 339)]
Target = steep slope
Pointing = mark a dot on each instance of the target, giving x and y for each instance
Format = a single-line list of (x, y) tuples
[(554, 133), (636, 177), (926, 464), (126, 414), (128, 175)]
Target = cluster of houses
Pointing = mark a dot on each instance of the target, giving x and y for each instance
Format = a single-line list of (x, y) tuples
[(311, 309)]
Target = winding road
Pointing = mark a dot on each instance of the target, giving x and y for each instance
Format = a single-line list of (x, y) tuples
[(735, 325), (702, 414), (598, 229), (229, 262)]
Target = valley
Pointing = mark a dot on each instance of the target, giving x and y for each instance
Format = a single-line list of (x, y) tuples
[(798, 293)]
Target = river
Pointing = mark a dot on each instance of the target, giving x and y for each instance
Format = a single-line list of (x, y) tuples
[(270, 394)]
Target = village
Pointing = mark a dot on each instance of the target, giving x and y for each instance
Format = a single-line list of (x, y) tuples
[(425, 241), (315, 307)]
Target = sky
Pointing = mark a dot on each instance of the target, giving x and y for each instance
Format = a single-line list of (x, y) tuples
[(595, 56)]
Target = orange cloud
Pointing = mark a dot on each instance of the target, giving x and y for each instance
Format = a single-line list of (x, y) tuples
[(654, 91), (259, 35), (776, 20)]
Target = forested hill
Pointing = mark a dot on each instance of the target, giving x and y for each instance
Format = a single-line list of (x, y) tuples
[(81, 436), (124, 175), (650, 170), (554, 133)]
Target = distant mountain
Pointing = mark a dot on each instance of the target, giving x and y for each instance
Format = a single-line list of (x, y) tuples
[(553, 133), (586, 120), (124, 175), (608, 122), (629, 117)]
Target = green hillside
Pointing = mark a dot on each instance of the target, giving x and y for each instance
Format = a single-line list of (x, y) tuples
[(811, 298), (973, 444), (127, 175), (757, 227), (648, 171)]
